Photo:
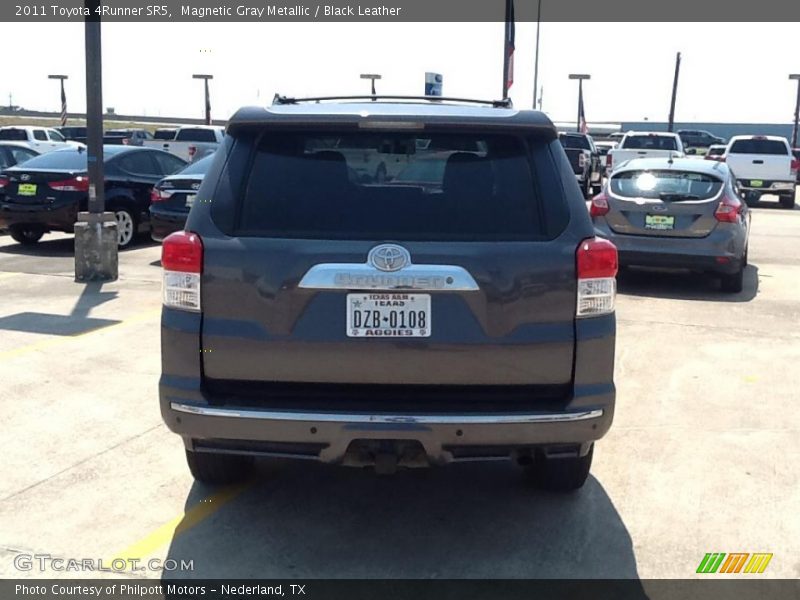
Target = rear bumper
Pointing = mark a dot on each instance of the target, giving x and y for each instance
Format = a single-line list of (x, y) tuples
[(768, 187), (164, 223), (58, 218), (221, 419), (328, 436), (721, 251)]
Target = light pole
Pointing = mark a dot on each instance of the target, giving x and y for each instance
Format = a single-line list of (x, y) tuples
[(61, 79), (536, 60), (796, 76), (674, 92), (581, 116), (205, 79), (372, 77)]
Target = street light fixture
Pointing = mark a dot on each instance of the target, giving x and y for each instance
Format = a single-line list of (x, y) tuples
[(580, 77), (372, 77), (796, 76), (205, 79), (61, 79)]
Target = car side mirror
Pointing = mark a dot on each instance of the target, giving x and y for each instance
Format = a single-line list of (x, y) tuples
[(691, 151)]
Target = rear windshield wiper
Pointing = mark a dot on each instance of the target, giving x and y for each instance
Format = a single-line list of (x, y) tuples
[(673, 197)]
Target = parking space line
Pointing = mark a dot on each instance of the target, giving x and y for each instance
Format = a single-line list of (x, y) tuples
[(41, 345), (195, 515), (7, 274)]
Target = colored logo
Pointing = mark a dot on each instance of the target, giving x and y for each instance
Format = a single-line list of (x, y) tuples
[(736, 562)]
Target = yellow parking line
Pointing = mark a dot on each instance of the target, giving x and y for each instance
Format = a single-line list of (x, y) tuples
[(41, 345), (195, 515)]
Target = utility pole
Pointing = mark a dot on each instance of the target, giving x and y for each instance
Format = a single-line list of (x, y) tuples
[(796, 76), (674, 92), (96, 238), (205, 79), (61, 79), (536, 60)]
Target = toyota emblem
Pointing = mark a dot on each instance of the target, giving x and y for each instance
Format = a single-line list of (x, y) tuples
[(389, 257)]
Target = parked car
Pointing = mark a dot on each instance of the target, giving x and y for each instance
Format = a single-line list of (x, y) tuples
[(41, 139), (192, 142), (644, 144), (47, 192), (681, 213), (127, 137), (12, 153), (763, 165), (173, 196), (73, 133), (165, 133), (715, 152), (473, 320), (585, 160), (616, 136), (698, 138)]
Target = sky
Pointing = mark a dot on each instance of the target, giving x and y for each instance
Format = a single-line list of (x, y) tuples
[(730, 72)]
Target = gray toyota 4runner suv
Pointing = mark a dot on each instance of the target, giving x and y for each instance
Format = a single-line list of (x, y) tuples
[(391, 284)]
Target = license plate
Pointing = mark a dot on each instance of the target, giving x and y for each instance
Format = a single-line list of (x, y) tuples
[(386, 314), (659, 222), (756, 182), (190, 199), (26, 189)]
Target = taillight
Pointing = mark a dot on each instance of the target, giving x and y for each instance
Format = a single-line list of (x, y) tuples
[(596, 263), (157, 195), (728, 210), (599, 205), (192, 151), (609, 158), (795, 165), (3, 182), (76, 184), (182, 261)]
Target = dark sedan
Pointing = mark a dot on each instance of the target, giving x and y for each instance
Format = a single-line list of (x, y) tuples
[(173, 196), (681, 213), (47, 192)]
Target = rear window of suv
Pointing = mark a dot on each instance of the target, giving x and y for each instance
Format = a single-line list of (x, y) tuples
[(574, 141), (13, 135), (196, 135), (650, 142), (759, 147), (392, 186)]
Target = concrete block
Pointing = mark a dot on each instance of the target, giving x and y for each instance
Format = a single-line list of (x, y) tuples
[(96, 257)]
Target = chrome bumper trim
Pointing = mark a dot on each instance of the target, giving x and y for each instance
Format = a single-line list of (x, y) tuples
[(485, 419)]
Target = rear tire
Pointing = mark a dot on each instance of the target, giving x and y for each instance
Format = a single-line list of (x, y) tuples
[(733, 282), (26, 235), (560, 474), (219, 469), (787, 202), (127, 226)]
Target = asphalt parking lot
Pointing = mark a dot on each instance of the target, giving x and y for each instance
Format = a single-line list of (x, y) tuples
[(702, 456)]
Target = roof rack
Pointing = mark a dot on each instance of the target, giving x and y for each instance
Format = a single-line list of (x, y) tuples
[(505, 103)]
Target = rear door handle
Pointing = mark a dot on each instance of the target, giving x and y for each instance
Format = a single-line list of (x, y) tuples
[(758, 162)]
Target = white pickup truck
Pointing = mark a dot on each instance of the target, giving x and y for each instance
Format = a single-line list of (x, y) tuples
[(191, 142), (644, 144), (41, 139), (763, 165)]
